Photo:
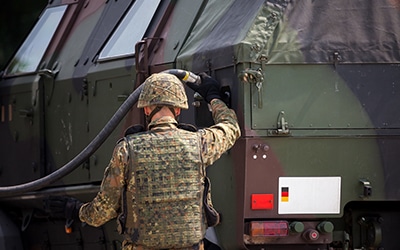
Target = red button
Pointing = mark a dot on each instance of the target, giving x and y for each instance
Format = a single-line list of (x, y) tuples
[(262, 201), (311, 235)]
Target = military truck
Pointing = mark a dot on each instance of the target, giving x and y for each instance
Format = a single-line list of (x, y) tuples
[(315, 85)]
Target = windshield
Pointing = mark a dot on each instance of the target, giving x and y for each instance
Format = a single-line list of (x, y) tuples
[(32, 50)]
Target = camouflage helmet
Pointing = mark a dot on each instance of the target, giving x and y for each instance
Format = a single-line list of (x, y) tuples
[(163, 89)]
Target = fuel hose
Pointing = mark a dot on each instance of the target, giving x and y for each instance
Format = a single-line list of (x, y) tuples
[(183, 75)]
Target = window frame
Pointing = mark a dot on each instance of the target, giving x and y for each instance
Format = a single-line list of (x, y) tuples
[(123, 28), (34, 38)]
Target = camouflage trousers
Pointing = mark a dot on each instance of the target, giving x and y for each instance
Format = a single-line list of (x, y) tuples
[(129, 246)]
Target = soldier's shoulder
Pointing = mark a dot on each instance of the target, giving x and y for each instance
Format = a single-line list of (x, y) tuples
[(134, 129), (187, 127)]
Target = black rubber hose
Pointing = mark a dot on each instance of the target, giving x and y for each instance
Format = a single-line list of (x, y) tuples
[(185, 76)]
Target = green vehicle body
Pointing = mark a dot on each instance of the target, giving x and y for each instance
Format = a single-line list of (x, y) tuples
[(315, 85)]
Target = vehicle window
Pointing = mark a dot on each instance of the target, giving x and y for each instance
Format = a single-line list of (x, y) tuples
[(32, 50), (131, 29)]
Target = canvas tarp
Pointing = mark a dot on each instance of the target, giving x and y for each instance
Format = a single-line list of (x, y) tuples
[(285, 32)]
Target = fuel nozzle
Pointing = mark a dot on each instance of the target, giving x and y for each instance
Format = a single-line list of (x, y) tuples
[(184, 75)]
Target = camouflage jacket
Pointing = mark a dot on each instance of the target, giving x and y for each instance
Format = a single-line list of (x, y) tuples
[(215, 140)]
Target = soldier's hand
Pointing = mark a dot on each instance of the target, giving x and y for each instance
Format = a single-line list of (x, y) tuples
[(63, 206), (208, 89)]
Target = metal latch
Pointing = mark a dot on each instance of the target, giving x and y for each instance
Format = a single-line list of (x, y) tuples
[(282, 125), (255, 77), (367, 188)]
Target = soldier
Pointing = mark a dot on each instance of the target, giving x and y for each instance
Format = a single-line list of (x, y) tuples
[(154, 181)]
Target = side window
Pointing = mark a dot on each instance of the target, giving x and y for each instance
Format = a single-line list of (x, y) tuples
[(28, 57), (130, 30)]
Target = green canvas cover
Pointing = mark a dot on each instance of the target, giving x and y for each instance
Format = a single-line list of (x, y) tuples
[(294, 32)]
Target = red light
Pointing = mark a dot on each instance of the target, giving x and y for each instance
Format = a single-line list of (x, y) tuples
[(68, 230), (269, 228)]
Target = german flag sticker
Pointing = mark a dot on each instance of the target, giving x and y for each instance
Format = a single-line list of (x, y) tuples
[(284, 194)]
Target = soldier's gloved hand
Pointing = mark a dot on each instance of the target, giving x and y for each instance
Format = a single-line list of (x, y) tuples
[(63, 206), (208, 89)]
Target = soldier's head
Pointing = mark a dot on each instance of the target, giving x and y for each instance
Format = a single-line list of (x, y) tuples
[(162, 91)]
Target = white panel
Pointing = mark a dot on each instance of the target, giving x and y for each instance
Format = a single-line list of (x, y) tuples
[(309, 195)]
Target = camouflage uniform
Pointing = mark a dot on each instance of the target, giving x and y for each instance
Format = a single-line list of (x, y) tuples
[(211, 143)]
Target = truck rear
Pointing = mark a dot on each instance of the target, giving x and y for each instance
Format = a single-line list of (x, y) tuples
[(315, 85)]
